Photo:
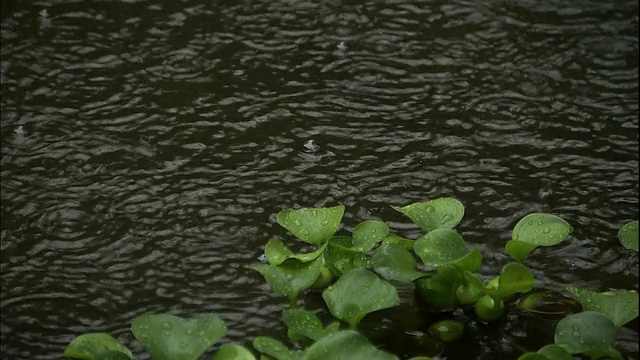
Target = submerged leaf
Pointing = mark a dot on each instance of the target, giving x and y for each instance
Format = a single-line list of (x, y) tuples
[(628, 235), (312, 225), (447, 330), (621, 306), (357, 293), (291, 277), (443, 213), (537, 229), (168, 337), (368, 233), (548, 303), (395, 263), (277, 253), (88, 346), (585, 331), (346, 345)]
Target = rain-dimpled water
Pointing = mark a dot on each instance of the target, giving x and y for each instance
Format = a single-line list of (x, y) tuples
[(146, 148)]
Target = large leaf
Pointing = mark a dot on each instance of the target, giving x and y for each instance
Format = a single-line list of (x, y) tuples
[(88, 346), (340, 257), (628, 235), (346, 345), (368, 233), (168, 337), (537, 229), (233, 352), (395, 263), (585, 331), (443, 213), (621, 306), (439, 247), (291, 277), (304, 323), (357, 293), (276, 349), (276, 253), (312, 225)]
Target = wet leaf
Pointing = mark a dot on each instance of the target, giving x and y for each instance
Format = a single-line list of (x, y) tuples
[(276, 253), (447, 330), (340, 258), (304, 323), (312, 225), (443, 213), (291, 277), (276, 349), (585, 331), (537, 229), (549, 352), (395, 263), (393, 239), (112, 355), (439, 247), (358, 293), (367, 234), (438, 293), (620, 306), (514, 278), (628, 235), (168, 337), (346, 345), (88, 346), (233, 352)]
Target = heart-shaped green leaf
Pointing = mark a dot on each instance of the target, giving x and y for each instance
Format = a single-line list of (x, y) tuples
[(357, 293), (346, 345), (537, 229), (585, 331), (439, 247), (628, 235), (621, 306), (303, 322), (291, 277), (340, 258), (368, 233), (395, 263), (168, 337), (443, 213), (233, 352), (88, 346), (276, 253), (276, 349), (312, 225)]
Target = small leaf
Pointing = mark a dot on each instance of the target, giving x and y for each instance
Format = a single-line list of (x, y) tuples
[(346, 345), (514, 278), (368, 233), (291, 277), (395, 263), (394, 239), (233, 352), (549, 352), (340, 258), (304, 323), (585, 331), (276, 349), (312, 225), (276, 253), (447, 330), (88, 346), (357, 293), (168, 337), (628, 235), (443, 213), (621, 306), (439, 247), (537, 229), (549, 303)]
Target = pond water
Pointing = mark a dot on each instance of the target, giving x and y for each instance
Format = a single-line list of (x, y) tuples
[(147, 146)]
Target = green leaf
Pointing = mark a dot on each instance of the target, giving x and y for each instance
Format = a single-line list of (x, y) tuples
[(112, 355), (628, 235), (346, 345), (357, 293), (621, 306), (291, 277), (549, 303), (368, 233), (304, 323), (514, 278), (168, 337), (394, 239), (439, 292), (395, 263), (276, 349), (88, 346), (549, 352), (331, 328), (446, 330), (233, 352), (601, 354), (276, 253), (585, 331), (340, 258), (443, 213), (312, 225), (470, 262), (439, 247), (537, 229)]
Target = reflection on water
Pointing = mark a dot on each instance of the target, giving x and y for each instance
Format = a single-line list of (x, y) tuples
[(147, 147)]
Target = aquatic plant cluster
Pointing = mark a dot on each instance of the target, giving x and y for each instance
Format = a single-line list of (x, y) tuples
[(358, 275)]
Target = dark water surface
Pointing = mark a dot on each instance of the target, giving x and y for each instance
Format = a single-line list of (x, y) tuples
[(147, 146)]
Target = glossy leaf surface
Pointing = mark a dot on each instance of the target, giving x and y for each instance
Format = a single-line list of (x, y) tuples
[(88, 346), (621, 306), (312, 225), (443, 213), (585, 331)]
